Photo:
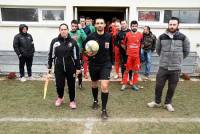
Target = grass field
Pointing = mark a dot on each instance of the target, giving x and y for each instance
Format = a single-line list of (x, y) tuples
[(24, 100)]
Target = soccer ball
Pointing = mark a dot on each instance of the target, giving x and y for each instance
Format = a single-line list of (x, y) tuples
[(92, 48)]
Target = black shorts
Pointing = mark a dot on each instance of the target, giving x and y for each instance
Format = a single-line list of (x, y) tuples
[(100, 72)]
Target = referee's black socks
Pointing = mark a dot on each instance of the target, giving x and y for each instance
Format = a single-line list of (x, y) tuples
[(104, 99), (95, 93)]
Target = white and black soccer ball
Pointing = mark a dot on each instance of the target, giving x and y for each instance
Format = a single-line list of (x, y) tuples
[(92, 47)]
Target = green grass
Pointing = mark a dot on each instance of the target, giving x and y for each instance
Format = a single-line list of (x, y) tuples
[(146, 128), (19, 99), (41, 128), (25, 99), (100, 128)]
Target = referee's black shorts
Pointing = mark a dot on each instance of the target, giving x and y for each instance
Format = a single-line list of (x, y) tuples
[(100, 72)]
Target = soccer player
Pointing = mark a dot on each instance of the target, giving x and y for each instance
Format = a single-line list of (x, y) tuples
[(116, 48), (119, 40), (79, 36), (83, 25), (87, 31), (132, 42), (100, 65), (88, 22)]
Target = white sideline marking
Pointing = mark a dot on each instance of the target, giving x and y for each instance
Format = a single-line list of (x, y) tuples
[(87, 121), (88, 127)]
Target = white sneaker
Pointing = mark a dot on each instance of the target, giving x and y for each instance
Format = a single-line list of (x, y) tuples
[(123, 87), (153, 104), (145, 78), (116, 76), (30, 78), (22, 79), (140, 79), (139, 86), (169, 107)]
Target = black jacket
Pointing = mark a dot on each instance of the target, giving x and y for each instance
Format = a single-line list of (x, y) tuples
[(87, 30), (65, 53), (23, 43), (118, 42), (104, 54), (149, 41)]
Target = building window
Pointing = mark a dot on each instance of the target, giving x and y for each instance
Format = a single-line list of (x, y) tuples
[(185, 16), (19, 14), (53, 15), (149, 15)]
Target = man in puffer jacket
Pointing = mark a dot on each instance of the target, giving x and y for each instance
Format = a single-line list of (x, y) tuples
[(172, 47), (24, 48)]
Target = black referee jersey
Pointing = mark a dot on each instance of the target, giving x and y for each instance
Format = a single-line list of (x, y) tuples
[(105, 53)]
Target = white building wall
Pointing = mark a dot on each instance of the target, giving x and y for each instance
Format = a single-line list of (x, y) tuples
[(44, 32), (168, 3), (33, 2), (42, 37)]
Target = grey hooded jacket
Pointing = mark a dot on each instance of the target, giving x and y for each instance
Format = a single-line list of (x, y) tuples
[(172, 49)]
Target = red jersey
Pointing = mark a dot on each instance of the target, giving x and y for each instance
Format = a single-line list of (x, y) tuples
[(132, 42), (113, 32)]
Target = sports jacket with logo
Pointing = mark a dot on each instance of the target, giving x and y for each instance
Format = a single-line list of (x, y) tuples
[(65, 54)]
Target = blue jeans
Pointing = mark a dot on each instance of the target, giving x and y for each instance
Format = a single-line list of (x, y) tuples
[(146, 60)]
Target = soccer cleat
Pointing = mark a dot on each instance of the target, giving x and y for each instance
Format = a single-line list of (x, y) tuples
[(153, 104), (58, 102), (135, 88), (104, 115), (169, 107), (95, 105), (72, 105), (123, 87), (22, 79)]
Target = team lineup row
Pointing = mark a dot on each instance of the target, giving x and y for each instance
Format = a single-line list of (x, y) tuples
[(124, 46)]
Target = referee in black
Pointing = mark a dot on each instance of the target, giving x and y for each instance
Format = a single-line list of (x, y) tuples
[(100, 65)]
